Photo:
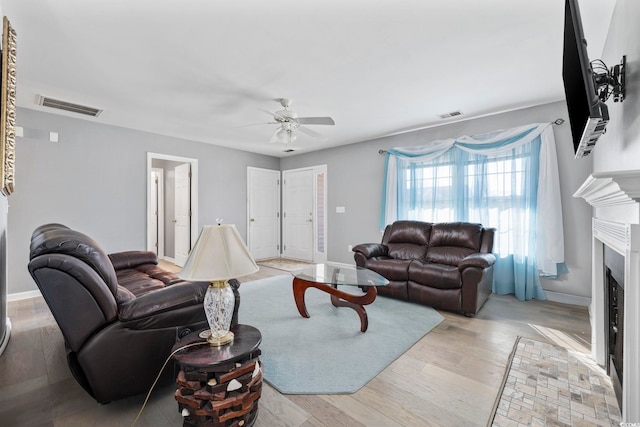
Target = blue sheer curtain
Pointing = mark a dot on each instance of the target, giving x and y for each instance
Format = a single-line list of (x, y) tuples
[(506, 179)]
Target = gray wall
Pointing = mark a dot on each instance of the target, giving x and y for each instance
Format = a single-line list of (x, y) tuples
[(619, 148), (355, 174), (94, 180)]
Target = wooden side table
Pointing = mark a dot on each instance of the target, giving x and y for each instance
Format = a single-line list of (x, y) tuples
[(220, 386)]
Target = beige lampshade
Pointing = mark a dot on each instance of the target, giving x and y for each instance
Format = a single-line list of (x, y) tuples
[(219, 254)]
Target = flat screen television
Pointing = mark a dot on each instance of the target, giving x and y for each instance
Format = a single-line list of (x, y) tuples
[(588, 115)]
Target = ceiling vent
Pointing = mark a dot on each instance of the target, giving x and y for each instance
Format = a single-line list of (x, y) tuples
[(68, 106), (451, 114)]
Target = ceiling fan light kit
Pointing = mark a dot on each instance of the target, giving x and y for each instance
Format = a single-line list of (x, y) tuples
[(284, 135)]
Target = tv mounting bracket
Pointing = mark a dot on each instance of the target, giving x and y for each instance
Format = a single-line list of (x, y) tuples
[(609, 81)]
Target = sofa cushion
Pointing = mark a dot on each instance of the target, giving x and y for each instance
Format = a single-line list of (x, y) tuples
[(442, 299), (138, 282), (131, 259), (439, 276), (451, 242), (145, 278), (395, 289), (407, 239), (407, 251), (391, 269), (59, 239), (166, 277)]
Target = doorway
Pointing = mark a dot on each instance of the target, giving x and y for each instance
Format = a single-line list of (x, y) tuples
[(304, 214), (173, 236)]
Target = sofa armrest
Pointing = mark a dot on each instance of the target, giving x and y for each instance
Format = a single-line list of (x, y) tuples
[(171, 298), (478, 260), (131, 259), (371, 250)]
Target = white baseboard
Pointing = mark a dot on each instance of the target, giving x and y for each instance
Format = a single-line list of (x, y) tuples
[(167, 258), (568, 298), (23, 295)]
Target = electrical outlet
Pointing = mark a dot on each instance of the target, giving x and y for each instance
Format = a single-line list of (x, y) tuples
[(349, 247)]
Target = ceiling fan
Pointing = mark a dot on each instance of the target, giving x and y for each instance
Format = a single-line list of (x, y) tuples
[(290, 123)]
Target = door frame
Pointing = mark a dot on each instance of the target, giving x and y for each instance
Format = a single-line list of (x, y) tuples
[(195, 229), (160, 218), (320, 257)]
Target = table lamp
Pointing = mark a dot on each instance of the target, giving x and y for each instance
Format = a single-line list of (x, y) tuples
[(218, 255)]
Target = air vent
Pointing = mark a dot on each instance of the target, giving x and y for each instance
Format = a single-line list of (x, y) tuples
[(68, 106), (451, 114)]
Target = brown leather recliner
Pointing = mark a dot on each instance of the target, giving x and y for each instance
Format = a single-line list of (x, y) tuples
[(448, 266), (120, 314)]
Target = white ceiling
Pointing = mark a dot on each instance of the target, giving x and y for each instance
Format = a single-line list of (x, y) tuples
[(204, 69)]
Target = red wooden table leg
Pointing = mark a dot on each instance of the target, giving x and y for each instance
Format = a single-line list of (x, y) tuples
[(299, 288), (366, 298), (338, 299)]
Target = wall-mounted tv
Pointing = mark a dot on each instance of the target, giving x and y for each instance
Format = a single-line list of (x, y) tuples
[(588, 114)]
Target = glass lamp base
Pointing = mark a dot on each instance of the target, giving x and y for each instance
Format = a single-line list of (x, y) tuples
[(217, 341)]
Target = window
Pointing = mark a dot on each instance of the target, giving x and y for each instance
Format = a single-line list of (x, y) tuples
[(490, 191)]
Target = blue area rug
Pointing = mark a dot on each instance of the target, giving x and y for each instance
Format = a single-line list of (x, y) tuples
[(327, 353)]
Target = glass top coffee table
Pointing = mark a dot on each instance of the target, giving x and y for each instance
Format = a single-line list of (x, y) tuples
[(327, 278)]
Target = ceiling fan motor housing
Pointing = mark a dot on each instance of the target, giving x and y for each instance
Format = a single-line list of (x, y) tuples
[(285, 116)]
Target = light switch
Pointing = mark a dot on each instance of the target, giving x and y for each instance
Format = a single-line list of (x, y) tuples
[(340, 209)]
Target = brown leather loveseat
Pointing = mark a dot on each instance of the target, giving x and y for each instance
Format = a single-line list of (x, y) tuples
[(119, 314), (448, 266)]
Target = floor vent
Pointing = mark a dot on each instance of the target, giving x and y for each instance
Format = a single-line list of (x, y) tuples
[(451, 114), (68, 106)]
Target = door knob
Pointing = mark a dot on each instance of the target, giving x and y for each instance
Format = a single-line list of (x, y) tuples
[(252, 220), (175, 220)]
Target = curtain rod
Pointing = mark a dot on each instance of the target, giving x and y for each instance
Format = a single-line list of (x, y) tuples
[(557, 122)]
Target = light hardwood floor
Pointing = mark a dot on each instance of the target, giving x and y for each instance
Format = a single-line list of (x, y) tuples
[(449, 378)]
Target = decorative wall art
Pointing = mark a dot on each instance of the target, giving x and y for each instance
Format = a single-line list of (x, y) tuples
[(8, 109)]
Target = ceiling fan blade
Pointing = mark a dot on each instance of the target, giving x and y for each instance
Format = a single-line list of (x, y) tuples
[(258, 124), (315, 121), (311, 133), (272, 114)]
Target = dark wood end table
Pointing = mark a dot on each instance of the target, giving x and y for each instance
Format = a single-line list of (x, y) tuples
[(219, 386)]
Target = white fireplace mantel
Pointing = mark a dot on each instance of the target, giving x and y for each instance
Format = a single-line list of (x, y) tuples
[(615, 197)]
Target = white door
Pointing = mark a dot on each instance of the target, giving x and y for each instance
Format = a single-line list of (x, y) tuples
[(182, 220), (298, 214), (263, 212)]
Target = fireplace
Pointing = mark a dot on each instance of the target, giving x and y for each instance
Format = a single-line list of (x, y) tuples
[(615, 281), (614, 318)]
